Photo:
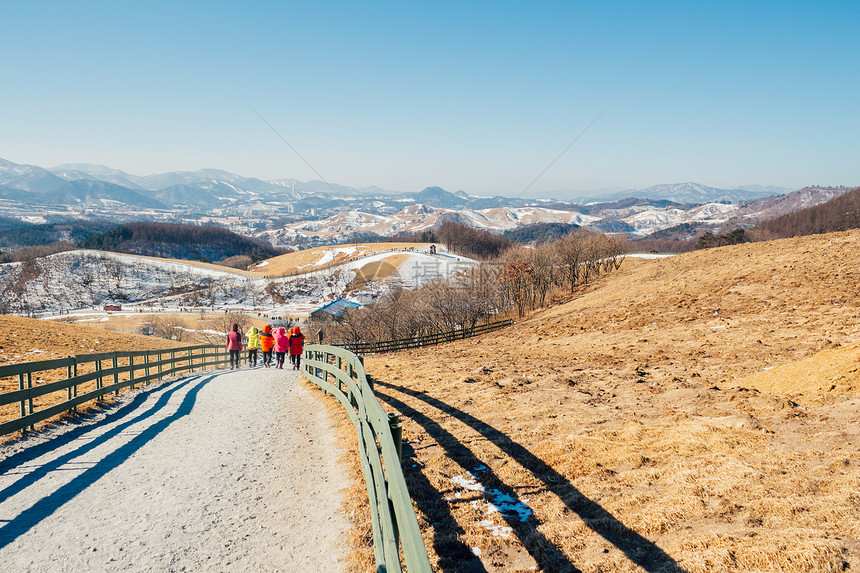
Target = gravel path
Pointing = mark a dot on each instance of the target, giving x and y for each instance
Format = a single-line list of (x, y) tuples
[(234, 471)]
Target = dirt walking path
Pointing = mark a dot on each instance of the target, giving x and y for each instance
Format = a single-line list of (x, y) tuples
[(234, 471)]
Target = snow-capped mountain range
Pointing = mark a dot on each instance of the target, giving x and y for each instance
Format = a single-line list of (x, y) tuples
[(311, 212)]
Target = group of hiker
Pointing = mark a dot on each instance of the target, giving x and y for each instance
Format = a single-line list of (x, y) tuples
[(275, 345)]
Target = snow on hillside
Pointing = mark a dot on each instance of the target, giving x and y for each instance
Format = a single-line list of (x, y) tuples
[(648, 219), (413, 268), (416, 218), (643, 218), (86, 279), (328, 255)]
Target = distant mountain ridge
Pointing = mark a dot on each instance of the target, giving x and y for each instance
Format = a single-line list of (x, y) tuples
[(691, 192), (215, 187), (316, 212)]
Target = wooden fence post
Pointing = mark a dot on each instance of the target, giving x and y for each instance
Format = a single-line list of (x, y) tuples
[(99, 379), (396, 433), (115, 362), (69, 389), (21, 386), (30, 398), (75, 374)]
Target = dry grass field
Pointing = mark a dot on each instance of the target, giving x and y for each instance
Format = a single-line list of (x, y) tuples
[(31, 340), (189, 327), (695, 413)]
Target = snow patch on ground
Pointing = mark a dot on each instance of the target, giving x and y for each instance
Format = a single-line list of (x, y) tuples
[(499, 502)]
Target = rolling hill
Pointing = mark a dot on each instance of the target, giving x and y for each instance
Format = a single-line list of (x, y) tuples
[(195, 242), (696, 413)]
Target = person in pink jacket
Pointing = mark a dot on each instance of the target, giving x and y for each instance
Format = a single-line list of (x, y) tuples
[(281, 345), (234, 345)]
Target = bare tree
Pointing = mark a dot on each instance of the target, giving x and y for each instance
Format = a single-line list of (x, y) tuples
[(571, 253), (545, 263), (171, 328), (517, 280)]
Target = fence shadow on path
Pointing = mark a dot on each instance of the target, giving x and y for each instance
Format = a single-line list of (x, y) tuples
[(79, 426), (641, 551), (47, 505)]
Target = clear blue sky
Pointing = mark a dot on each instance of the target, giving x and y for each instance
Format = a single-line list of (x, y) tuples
[(478, 96)]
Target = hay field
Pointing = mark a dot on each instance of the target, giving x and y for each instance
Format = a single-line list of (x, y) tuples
[(695, 413)]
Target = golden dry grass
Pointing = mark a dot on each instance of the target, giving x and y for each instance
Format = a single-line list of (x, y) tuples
[(198, 327), (639, 423), (31, 340), (835, 371), (356, 506)]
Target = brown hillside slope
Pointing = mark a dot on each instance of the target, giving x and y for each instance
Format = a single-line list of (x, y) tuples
[(31, 340), (639, 424)]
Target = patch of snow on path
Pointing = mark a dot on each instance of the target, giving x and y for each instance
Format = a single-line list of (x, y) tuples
[(198, 474)]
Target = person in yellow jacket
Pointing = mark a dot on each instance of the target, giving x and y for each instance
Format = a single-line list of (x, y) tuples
[(253, 345)]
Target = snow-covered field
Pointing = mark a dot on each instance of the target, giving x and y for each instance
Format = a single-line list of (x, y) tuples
[(87, 280), (416, 218)]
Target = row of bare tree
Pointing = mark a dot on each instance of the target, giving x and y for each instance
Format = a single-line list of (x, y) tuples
[(520, 279), (530, 274)]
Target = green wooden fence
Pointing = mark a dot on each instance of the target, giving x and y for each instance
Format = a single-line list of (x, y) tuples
[(335, 370), (140, 367), (341, 373), (428, 340)]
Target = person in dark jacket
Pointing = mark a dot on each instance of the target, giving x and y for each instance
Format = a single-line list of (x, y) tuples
[(297, 340), (234, 345)]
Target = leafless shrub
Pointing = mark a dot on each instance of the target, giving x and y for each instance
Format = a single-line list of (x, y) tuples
[(171, 328), (219, 326)]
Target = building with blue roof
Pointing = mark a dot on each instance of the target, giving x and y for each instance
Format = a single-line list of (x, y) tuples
[(334, 309)]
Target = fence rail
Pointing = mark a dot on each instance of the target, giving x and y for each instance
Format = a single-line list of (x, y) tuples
[(341, 373), (419, 341), (152, 364)]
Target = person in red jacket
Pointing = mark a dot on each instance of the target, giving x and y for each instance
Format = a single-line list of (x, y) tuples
[(234, 345), (267, 341), (297, 340), (281, 344)]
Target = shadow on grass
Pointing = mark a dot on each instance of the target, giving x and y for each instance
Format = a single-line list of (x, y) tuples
[(637, 548), (41, 509), (452, 554)]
